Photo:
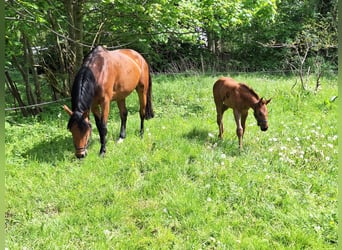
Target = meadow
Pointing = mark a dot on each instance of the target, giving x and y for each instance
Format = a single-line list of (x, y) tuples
[(180, 187)]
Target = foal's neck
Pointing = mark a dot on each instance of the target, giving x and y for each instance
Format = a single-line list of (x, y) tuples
[(250, 99), (248, 95)]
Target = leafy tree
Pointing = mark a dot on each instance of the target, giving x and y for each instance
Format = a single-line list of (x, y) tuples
[(51, 37)]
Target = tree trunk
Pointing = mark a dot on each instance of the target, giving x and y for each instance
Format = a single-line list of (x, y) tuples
[(60, 51), (75, 18), (15, 93)]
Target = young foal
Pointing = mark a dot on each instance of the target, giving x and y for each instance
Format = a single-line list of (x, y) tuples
[(238, 96)]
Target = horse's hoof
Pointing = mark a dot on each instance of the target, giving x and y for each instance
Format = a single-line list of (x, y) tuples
[(120, 140), (102, 152)]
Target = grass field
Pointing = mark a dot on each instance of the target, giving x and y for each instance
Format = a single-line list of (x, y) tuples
[(180, 187)]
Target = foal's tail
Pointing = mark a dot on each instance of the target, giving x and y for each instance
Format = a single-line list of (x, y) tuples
[(149, 110)]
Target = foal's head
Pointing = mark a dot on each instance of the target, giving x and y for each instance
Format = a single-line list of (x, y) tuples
[(80, 128), (261, 114)]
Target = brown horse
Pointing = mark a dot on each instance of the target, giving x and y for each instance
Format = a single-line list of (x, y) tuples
[(107, 76), (238, 96)]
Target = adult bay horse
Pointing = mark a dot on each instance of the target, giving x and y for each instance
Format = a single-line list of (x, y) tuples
[(107, 76), (230, 94)]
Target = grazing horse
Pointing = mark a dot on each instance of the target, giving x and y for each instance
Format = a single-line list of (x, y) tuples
[(240, 97), (107, 76)]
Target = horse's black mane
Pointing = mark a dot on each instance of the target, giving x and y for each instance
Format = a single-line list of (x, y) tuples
[(250, 90), (82, 92)]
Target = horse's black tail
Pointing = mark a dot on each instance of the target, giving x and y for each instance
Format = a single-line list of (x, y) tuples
[(149, 109)]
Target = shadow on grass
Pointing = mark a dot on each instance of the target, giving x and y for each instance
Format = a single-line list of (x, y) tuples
[(203, 136), (51, 150), (198, 134)]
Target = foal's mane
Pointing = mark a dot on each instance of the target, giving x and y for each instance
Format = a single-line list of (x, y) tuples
[(250, 90)]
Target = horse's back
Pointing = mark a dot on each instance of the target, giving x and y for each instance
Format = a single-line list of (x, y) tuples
[(226, 82), (224, 85)]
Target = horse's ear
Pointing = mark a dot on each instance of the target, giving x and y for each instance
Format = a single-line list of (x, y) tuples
[(85, 114), (260, 102), (267, 101), (65, 107)]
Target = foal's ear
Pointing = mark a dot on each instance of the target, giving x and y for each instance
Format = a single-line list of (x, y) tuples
[(65, 107), (267, 101)]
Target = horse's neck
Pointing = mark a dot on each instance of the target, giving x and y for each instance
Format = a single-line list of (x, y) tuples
[(249, 99)]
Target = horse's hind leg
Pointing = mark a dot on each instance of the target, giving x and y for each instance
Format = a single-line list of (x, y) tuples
[(143, 101), (123, 116)]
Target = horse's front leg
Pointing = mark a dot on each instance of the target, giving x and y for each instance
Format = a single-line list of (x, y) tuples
[(102, 128), (220, 109), (239, 128), (101, 119), (123, 117)]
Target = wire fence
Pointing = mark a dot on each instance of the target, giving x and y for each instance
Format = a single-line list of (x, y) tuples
[(37, 105), (188, 73)]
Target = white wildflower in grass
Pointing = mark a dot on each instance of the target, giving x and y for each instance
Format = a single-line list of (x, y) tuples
[(296, 138), (327, 158), (270, 150), (283, 147), (293, 152), (288, 139), (106, 232), (330, 145), (209, 199), (211, 135), (223, 156)]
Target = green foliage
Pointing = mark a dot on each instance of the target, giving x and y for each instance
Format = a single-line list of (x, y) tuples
[(180, 187)]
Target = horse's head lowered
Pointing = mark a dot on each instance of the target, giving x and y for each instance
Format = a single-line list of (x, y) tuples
[(261, 113), (80, 128)]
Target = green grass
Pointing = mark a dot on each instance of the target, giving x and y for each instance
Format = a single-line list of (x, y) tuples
[(180, 187)]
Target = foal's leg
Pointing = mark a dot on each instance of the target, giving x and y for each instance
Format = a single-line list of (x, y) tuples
[(220, 109), (239, 127), (123, 116), (243, 122)]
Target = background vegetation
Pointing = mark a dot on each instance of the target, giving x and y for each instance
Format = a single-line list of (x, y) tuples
[(51, 37), (180, 187)]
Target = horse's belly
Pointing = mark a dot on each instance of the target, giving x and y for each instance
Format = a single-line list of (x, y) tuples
[(119, 95)]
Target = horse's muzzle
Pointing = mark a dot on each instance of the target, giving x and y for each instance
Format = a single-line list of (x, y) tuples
[(263, 128), (81, 154)]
